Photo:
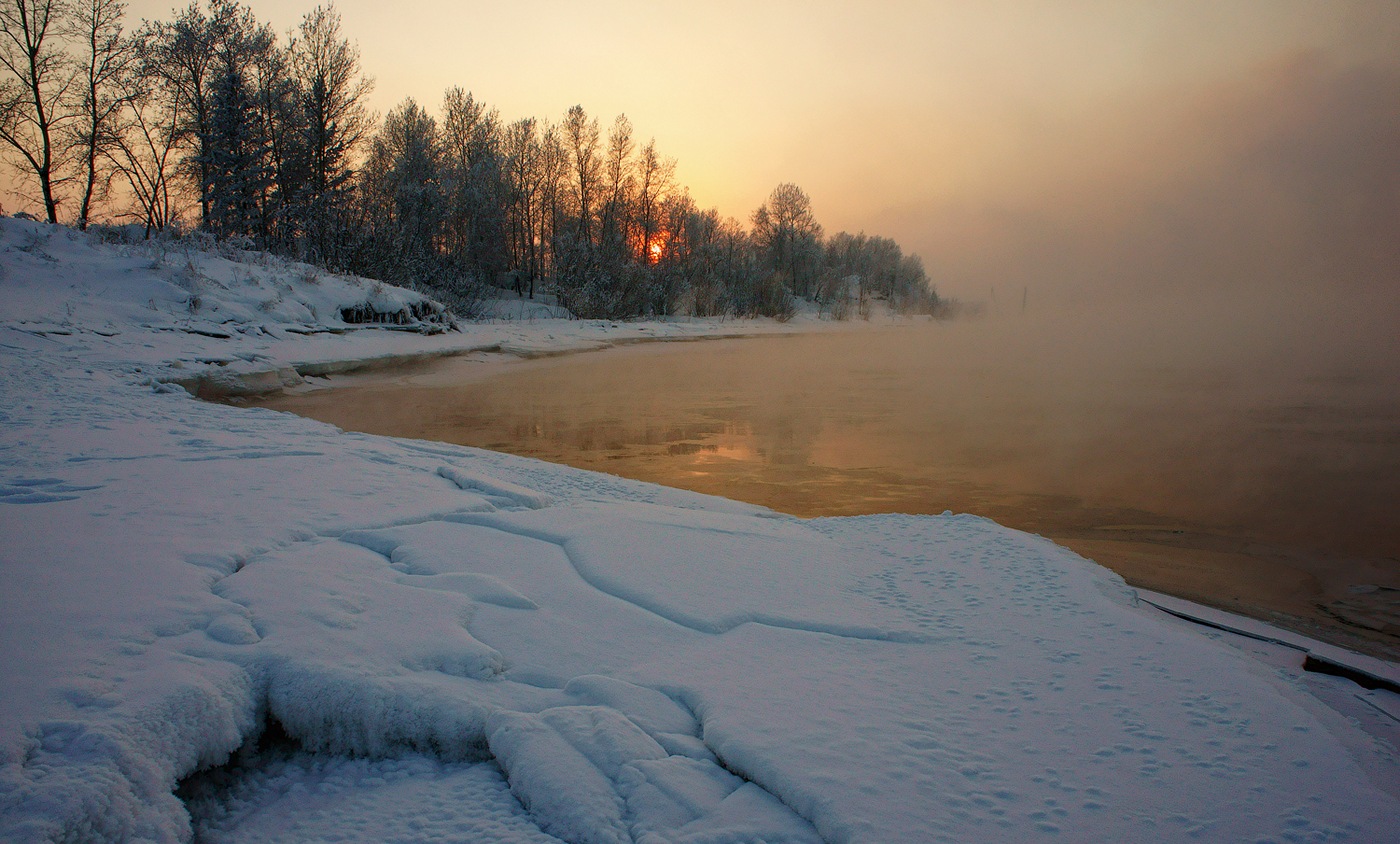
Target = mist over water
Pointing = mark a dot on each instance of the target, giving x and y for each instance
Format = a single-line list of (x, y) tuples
[(1239, 449), (1282, 178)]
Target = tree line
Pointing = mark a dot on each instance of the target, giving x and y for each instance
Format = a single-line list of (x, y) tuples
[(211, 119)]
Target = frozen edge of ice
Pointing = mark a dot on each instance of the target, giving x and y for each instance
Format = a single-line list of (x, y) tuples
[(1339, 660)]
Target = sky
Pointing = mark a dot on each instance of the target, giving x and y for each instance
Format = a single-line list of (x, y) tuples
[(1050, 149)]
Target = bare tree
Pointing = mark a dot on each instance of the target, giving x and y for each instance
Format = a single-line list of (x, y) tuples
[(580, 138), (33, 94), (655, 180), (96, 25), (528, 172), (180, 54), (144, 149), (613, 223)]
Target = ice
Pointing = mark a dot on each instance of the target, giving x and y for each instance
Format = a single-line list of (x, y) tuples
[(1368, 669), (569, 796), (682, 800), (510, 493), (710, 572), (389, 640), (653, 711)]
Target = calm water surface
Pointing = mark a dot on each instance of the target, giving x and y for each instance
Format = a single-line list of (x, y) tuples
[(1264, 480)]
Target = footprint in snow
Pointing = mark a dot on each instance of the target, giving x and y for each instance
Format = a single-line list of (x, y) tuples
[(39, 490)]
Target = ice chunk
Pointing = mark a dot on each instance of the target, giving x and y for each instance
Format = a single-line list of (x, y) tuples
[(514, 493), (566, 793), (605, 737), (670, 793), (652, 710), (683, 800)]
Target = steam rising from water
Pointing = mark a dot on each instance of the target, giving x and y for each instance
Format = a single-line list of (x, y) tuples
[(1285, 182), (1239, 450), (1274, 423)]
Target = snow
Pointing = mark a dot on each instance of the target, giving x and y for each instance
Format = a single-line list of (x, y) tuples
[(393, 640), (1369, 668)]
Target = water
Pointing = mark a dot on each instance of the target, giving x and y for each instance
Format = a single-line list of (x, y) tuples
[(1262, 479)]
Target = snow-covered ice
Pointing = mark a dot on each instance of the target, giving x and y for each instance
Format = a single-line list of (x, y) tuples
[(257, 627)]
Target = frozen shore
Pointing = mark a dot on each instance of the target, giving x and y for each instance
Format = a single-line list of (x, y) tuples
[(443, 643)]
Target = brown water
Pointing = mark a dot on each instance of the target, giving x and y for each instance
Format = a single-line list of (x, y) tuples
[(1266, 482)]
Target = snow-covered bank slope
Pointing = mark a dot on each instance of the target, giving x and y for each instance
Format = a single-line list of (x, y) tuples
[(460, 645)]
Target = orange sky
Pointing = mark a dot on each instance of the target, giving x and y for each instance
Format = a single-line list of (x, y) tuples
[(995, 138)]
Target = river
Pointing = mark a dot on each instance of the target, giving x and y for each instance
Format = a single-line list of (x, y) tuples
[(1262, 478)]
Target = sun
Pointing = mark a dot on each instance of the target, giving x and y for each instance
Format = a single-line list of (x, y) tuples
[(654, 252)]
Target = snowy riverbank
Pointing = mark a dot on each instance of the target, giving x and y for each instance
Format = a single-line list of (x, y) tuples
[(441, 643)]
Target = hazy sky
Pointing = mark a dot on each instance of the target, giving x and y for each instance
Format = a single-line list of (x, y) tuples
[(1059, 146)]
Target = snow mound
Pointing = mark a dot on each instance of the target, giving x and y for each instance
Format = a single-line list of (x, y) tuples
[(194, 284), (498, 489), (589, 774)]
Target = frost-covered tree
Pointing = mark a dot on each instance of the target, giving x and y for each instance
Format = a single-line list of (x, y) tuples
[(236, 149), (788, 237), (876, 267), (523, 154), (614, 221), (474, 187), (402, 192), (180, 54), (334, 124), (655, 178), (580, 135), (225, 78), (585, 282)]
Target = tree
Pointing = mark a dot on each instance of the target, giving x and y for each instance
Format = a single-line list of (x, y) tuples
[(33, 94), (335, 122), (145, 145), (279, 127), (106, 56), (235, 149), (613, 221), (474, 186), (216, 67), (180, 54), (580, 140), (789, 237), (403, 194), (655, 180), (912, 292), (525, 174)]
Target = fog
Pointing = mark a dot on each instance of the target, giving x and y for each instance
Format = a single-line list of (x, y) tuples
[(1284, 182)]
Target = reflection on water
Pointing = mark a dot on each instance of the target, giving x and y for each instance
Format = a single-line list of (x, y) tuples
[(1263, 482)]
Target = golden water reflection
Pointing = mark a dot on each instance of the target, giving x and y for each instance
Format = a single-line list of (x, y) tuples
[(1261, 484)]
